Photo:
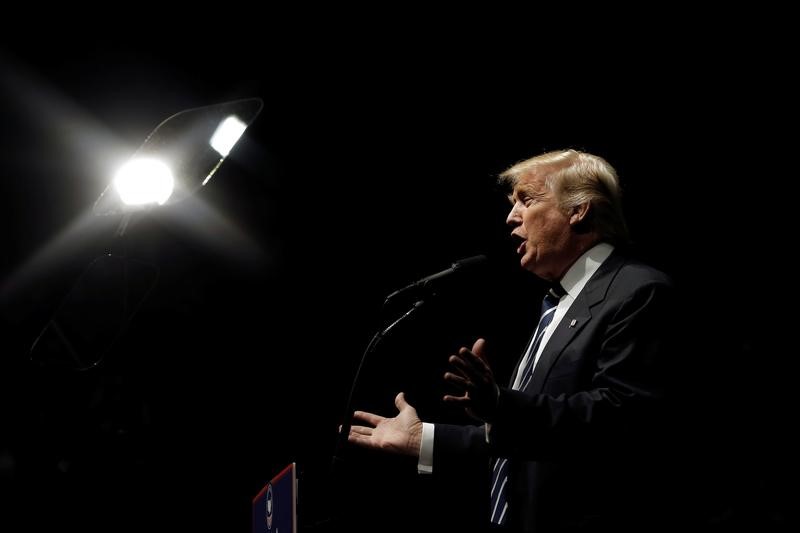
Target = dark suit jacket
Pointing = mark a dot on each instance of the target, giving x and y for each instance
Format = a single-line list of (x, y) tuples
[(586, 438)]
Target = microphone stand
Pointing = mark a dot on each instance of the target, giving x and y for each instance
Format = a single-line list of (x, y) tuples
[(341, 440), (416, 292), (337, 462)]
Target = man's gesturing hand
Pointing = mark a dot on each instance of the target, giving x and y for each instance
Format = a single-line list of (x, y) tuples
[(401, 434), (473, 377)]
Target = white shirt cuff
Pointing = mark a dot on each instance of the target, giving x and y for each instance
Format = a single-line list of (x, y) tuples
[(425, 464)]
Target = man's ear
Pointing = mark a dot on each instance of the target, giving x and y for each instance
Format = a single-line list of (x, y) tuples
[(580, 217)]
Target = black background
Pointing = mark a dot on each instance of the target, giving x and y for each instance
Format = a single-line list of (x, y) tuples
[(372, 164)]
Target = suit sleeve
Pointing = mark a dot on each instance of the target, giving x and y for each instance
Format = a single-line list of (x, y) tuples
[(456, 445), (619, 403)]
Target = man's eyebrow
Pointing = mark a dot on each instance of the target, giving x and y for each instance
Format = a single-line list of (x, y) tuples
[(523, 189)]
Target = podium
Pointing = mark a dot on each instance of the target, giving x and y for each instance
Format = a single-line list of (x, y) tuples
[(275, 505)]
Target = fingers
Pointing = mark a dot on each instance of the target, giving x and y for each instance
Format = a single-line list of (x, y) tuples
[(369, 418), (361, 440), (459, 381), (361, 430), (476, 360), (360, 435), (469, 365), (460, 366), (462, 400)]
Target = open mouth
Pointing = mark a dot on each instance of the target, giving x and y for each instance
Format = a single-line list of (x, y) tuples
[(519, 242)]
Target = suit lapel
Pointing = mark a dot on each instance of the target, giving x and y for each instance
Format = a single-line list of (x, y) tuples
[(559, 340), (577, 317)]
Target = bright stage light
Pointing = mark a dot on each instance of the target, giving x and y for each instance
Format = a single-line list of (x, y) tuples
[(143, 181)]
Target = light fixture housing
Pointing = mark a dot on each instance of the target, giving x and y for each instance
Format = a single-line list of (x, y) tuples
[(178, 157)]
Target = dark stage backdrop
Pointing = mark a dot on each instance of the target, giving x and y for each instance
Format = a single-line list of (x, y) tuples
[(367, 169)]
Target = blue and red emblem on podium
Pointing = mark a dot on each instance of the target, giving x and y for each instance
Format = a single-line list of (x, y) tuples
[(275, 506)]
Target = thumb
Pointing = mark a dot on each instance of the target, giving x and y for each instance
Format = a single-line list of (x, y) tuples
[(479, 347), (400, 401)]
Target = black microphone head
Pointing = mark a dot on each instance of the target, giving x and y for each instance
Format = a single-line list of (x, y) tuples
[(462, 266), (426, 284), (470, 263)]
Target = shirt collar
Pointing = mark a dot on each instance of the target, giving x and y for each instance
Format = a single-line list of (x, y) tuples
[(584, 267)]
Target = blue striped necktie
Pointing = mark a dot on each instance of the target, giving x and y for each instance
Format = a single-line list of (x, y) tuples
[(549, 304), (499, 506)]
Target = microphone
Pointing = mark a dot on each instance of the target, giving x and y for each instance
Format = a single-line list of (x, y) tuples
[(429, 283)]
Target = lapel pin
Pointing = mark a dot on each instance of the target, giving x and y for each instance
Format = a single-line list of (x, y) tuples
[(572, 324)]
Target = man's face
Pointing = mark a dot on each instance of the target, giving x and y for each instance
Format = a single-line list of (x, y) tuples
[(539, 227)]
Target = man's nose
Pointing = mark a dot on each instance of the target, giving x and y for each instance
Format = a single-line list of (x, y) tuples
[(514, 217)]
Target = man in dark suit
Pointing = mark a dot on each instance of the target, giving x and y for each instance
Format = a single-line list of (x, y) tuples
[(576, 442)]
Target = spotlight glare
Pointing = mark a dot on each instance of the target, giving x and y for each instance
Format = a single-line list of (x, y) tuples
[(227, 134), (144, 181)]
